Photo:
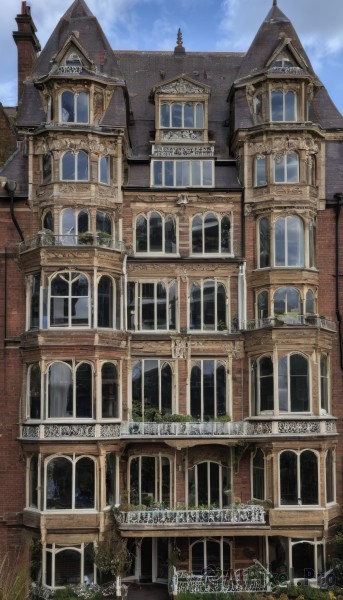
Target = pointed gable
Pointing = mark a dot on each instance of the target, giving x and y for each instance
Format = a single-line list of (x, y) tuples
[(79, 24), (180, 86), (275, 34)]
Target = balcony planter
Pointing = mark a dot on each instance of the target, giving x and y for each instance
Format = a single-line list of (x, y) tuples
[(86, 238)]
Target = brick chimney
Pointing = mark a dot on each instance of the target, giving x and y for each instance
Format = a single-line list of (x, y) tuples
[(27, 44)]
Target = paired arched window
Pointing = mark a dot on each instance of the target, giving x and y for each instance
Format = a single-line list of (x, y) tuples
[(289, 242), (152, 389), (70, 390), (69, 300), (211, 234), (69, 483), (74, 107), (209, 483), (283, 105), (182, 115), (150, 480), (74, 223), (286, 168), (151, 306), (75, 166), (298, 478), (208, 390), (210, 556), (155, 233), (208, 306), (293, 384)]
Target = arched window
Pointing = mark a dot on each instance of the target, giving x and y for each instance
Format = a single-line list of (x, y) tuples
[(46, 168), (70, 391), (75, 166), (264, 243), (307, 560), (208, 390), (74, 223), (211, 234), (70, 484), (111, 478), (298, 478), (262, 382), (310, 302), (284, 105), (209, 483), (211, 556), (258, 492), (152, 385), (34, 391), (330, 476), (69, 300), (155, 233), (324, 383), (151, 306), (287, 304), (150, 480), (294, 383), (207, 308), (109, 391), (106, 302), (74, 107), (71, 565), (289, 242), (260, 171), (48, 221), (286, 168)]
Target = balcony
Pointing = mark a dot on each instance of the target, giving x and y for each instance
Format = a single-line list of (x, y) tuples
[(46, 239), (244, 514), (296, 321), (252, 580), (253, 429)]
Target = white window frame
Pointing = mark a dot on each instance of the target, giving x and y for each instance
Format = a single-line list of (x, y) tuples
[(99, 395), (158, 475), (278, 159), (183, 103), (138, 305), (149, 252), (228, 394), (161, 362), (74, 459), (289, 399), (73, 366), (219, 218), (76, 155), (221, 540), (196, 480), (56, 549), (284, 94), (69, 326), (190, 184), (115, 299), (201, 283), (298, 490), (75, 94)]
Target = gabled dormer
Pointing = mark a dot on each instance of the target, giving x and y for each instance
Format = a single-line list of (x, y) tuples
[(72, 59), (287, 60), (181, 110)]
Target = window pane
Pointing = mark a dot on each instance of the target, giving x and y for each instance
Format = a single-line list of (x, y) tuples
[(280, 234), (283, 384), (134, 481), (207, 172), (288, 478), (196, 173), (166, 389), (176, 114), (155, 232), (290, 106), (110, 478), (82, 166), (295, 245), (299, 383), (209, 291), (60, 391), (264, 239), (33, 483), (225, 235), (197, 234), (67, 568), (68, 166), (59, 484), (67, 107), (151, 386), (199, 116), (309, 308), (203, 491), (148, 475), (182, 173), (103, 222), (211, 230), (82, 221), (277, 105), (161, 306), (170, 235), (221, 390), (172, 306), (189, 115), (260, 165), (208, 389), (137, 392), (262, 305), (329, 476), (82, 107), (165, 482), (309, 477), (157, 167), (279, 169), (79, 301), (34, 304), (292, 167), (48, 221), (104, 169), (84, 391), (47, 168), (148, 306), (35, 392), (324, 383), (198, 558), (109, 391), (196, 392), (165, 115), (266, 384), (68, 222), (105, 302), (258, 475), (84, 483), (195, 307), (221, 308), (141, 234)]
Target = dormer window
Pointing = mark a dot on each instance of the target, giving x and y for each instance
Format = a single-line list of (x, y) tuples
[(74, 107), (184, 115), (283, 62), (283, 105), (73, 60)]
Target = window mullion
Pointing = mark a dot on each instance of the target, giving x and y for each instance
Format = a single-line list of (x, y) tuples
[(155, 306), (202, 391), (209, 498), (159, 385), (299, 479)]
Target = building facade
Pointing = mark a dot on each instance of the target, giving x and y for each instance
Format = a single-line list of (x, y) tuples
[(170, 300)]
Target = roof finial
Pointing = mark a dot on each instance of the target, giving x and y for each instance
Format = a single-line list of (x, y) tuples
[(179, 43), (274, 2)]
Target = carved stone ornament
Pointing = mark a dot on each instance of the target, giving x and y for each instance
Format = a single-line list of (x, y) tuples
[(53, 143), (181, 86), (182, 199), (166, 151), (281, 145), (186, 134), (180, 348)]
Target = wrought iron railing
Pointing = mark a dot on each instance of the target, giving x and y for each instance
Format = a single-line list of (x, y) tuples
[(45, 239), (253, 579), (281, 321), (240, 429), (232, 515)]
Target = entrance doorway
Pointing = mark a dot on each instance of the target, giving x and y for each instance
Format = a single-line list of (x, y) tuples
[(153, 560)]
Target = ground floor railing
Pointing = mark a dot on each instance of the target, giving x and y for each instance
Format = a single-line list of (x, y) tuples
[(253, 579)]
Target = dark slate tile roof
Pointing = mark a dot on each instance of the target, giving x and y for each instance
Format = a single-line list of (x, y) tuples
[(142, 71), (325, 112), (90, 36), (115, 115), (334, 168), (31, 111), (16, 169)]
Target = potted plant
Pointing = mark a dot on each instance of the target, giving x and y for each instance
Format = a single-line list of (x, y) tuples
[(86, 238)]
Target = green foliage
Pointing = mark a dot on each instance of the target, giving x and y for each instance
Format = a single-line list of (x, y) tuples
[(14, 577), (112, 556)]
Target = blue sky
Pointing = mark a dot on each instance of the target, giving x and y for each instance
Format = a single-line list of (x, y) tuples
[(212, 25)]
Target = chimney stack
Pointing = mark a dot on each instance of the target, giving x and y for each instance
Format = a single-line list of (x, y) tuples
[(27, 44)]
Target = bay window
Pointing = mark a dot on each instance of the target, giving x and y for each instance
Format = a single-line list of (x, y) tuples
[(283, 105), (69, 300), (298, 472), (69, 483), (182, 115), (74, 107), (70, 390), (182, 173), (286, 168), (152, 389), (208, 386), (75, 166)]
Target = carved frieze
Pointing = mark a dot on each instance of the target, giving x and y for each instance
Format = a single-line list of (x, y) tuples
[(281, 145), (62, 142), (182, 151), (183, 134), (181, 86)]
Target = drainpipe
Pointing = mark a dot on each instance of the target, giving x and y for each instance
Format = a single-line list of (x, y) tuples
[(10, 187), (338, 206)]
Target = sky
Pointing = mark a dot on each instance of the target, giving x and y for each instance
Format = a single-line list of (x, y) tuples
[(206, 25)]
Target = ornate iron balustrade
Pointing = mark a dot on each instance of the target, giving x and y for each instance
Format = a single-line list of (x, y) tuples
[(298, 320), (252, 579), (241, 429), (242, 514), (45, 239)]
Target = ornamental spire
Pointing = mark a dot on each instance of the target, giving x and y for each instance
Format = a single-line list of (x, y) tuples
[(179, 49), (274, 2)]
